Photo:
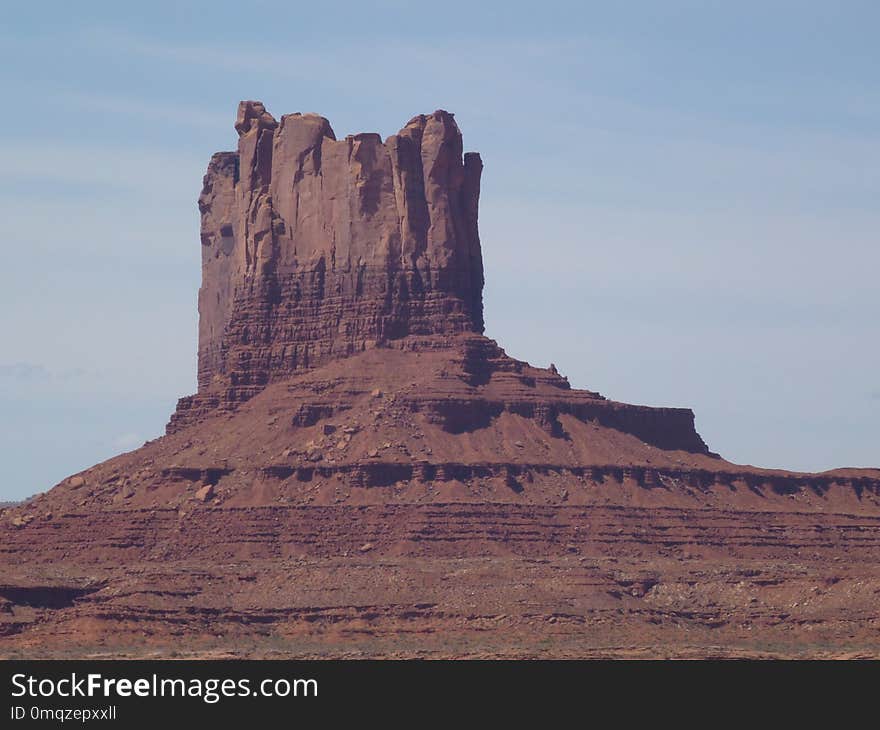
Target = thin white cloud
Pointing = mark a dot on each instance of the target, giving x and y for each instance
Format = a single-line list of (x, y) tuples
[(24, 371), (161, 174), (168, 113), (306, 62)]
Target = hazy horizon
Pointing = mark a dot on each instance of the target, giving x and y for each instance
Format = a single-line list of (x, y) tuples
[(679, 205)]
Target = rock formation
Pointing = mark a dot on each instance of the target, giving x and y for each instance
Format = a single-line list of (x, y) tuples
[(315, 248), (362, 467)]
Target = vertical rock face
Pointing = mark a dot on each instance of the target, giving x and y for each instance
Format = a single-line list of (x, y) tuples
[(315, 248)]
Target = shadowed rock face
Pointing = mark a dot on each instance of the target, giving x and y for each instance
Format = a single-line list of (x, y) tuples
[(315, 248)]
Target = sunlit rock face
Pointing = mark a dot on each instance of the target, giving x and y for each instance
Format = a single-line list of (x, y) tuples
[(315, 248)]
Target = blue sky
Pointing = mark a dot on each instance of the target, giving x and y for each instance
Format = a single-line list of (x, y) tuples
[(680, 200)]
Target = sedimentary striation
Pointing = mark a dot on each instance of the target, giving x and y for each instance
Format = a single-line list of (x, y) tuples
[(315, 248), (363, 472)]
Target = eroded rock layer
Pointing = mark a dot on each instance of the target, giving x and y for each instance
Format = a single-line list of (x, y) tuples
[(314, 248)]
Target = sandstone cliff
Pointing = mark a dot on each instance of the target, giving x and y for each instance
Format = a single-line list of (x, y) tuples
[(314, 248)]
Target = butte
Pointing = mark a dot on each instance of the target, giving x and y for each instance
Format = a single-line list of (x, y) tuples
[(362, 472)]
